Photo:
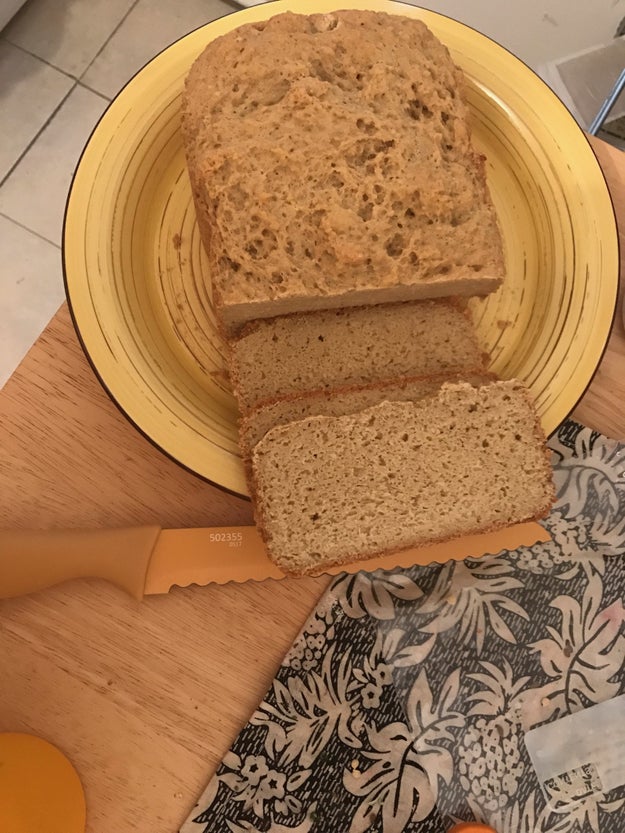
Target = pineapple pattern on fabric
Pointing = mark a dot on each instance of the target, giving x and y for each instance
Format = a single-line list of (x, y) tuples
[(490, 764), (403, 703)]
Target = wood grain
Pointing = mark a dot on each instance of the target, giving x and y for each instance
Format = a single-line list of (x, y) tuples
[(146, 698), (75, 459), (603, 405)]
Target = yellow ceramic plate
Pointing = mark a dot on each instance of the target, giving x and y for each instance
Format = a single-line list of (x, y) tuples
[(137, 278)]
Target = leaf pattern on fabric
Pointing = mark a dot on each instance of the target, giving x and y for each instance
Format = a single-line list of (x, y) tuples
[(583, 656), (590, 486), (307, 712), (589, 814), (376, 673), (255, 784), (373, 594), (402, 704), (406, 760), (471, 595)]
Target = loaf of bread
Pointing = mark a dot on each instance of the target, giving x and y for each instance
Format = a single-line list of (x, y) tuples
[(347, 400), (330, 349), (331, 165), (331, 490)]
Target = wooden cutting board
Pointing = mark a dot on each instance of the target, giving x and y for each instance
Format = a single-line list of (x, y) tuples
[(146, 698)]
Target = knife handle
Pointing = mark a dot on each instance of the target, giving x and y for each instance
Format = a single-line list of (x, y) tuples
[(34, 560)]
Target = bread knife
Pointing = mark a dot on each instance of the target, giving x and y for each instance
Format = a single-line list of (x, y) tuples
[(149, 560), (141, 560)]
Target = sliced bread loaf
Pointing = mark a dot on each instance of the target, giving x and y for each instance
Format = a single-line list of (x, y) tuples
[(347, 400), (331, 164), (330, 349), (330, 490)]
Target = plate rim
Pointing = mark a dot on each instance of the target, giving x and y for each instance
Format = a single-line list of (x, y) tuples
[(246, 12)]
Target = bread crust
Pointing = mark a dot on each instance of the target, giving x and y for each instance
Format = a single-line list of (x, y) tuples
[(380, 387), (303, 351), (331, 165), (326, 565), (540, 508)]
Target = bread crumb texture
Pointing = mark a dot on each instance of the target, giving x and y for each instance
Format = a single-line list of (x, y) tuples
[(345, 400), (330, 490), (330, 154), (356, 346)]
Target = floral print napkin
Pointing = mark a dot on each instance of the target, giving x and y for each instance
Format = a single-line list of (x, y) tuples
[(404, 703)]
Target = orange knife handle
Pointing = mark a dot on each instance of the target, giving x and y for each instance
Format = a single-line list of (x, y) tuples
[(34, 560)]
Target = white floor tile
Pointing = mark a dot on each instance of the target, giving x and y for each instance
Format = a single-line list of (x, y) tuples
[(35, 192), (30, 91), (31, 290), (150, 27), (67, 33)]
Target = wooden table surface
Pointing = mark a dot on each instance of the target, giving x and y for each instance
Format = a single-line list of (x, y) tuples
[(145, 698)]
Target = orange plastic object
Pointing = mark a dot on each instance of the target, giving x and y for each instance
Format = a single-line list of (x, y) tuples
[(223, 554), (31, 561), (39, 788), (472, 827), (146, 560)]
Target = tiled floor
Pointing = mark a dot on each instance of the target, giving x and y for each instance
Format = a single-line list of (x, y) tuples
[(61, 62)]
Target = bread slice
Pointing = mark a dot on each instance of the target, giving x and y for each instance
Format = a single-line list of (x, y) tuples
[(331, 164), (346, 400), (357, 346), (330, 490)]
